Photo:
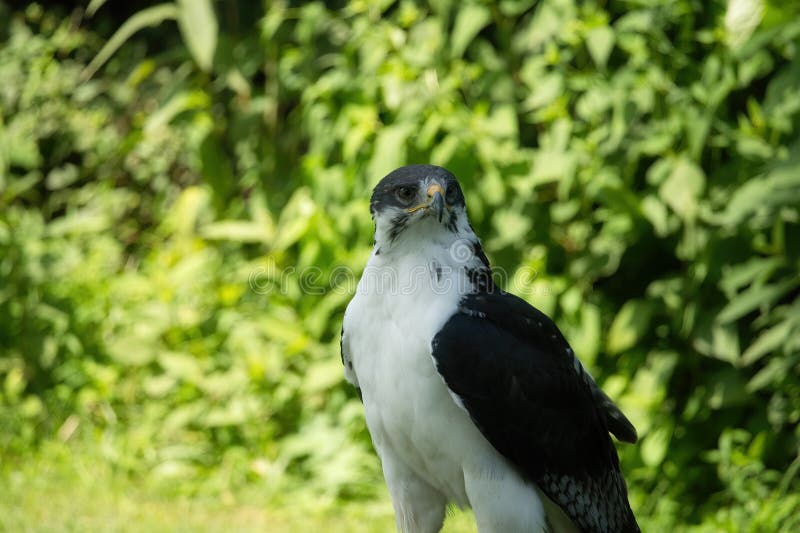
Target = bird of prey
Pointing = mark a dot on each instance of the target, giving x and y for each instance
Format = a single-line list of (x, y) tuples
[(472, 395)]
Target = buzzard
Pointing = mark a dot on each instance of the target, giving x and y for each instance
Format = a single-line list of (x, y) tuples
[(472, 395)]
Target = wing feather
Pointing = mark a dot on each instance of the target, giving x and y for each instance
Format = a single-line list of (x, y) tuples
[(524, 389)]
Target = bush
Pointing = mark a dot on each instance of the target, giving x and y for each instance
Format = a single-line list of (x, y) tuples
[(180, 207)]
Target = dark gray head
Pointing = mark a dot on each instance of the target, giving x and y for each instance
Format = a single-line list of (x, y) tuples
[(417, 195)]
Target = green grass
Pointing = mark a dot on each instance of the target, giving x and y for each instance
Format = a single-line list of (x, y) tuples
[(65, 488)]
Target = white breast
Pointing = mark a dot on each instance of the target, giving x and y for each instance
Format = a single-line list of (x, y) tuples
[(401, 303)]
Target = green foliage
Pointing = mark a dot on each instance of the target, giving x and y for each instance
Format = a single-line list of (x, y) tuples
[(177, 212)]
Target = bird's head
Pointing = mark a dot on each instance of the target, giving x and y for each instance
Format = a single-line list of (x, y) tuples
[(417, 198)]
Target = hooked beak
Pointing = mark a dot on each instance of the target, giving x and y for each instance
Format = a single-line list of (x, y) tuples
[(435, 201)]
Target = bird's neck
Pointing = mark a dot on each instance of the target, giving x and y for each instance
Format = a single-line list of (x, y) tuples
[(439, 253)]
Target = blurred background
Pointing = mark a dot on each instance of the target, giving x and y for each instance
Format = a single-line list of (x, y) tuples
[(184, 209)]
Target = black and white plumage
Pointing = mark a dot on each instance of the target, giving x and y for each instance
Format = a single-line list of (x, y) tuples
[(472, 395)]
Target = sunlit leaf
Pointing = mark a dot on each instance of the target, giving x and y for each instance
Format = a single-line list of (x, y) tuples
[(600, 42), (93, 6), (769, 341), (389, 152), (629, 326), (755, 298), (150, 16), (237, 231), (682, 188), (183, 101), (198, 24), (741, 18), (470, 20), (656, 445)]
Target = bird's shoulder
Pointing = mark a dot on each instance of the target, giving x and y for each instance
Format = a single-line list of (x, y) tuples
[(521, 384), (513, 323), (508, 363)]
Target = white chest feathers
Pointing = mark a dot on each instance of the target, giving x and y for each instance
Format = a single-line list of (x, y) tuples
[(401, 302), (403, 299)]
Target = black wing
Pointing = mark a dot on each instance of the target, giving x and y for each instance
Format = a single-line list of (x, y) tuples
[(523, 388)]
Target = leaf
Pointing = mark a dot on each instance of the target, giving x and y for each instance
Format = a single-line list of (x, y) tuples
[(725, 343), (742, 17), (390, 150), (502, 123), (586, 339), (20, 147), (753, 298), (159, 386), (682, 188), (776, 369), (551, 165), (767, 342), (545, 89), (235, 412), (600, 42), (132, 349), (469, 22), (62, 177), (629, 326), (151, 16), (186, 210), (323, 376), (657, 214), (737, 276), (655, 445), (295, 219), (93, 6), (183, 101), (780, 186), (86, 220), (198, 24), (443, 153), (181, 366), (236, 231), (19, 186), (512, 227)]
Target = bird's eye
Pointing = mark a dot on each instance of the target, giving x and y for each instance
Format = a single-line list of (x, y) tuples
[(405, 194), (451, 195)]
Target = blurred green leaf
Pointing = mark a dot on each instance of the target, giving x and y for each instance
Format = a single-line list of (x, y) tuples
[(655, 446), (93, 6), (629, 326), (600, 42), (470, 19), (774, 370), (237, 231), (735, 277), (767, 342), (150, 16), (754, 298), (181, 102), (682, 188), (295, 219), (198, 25), (389, 151)]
